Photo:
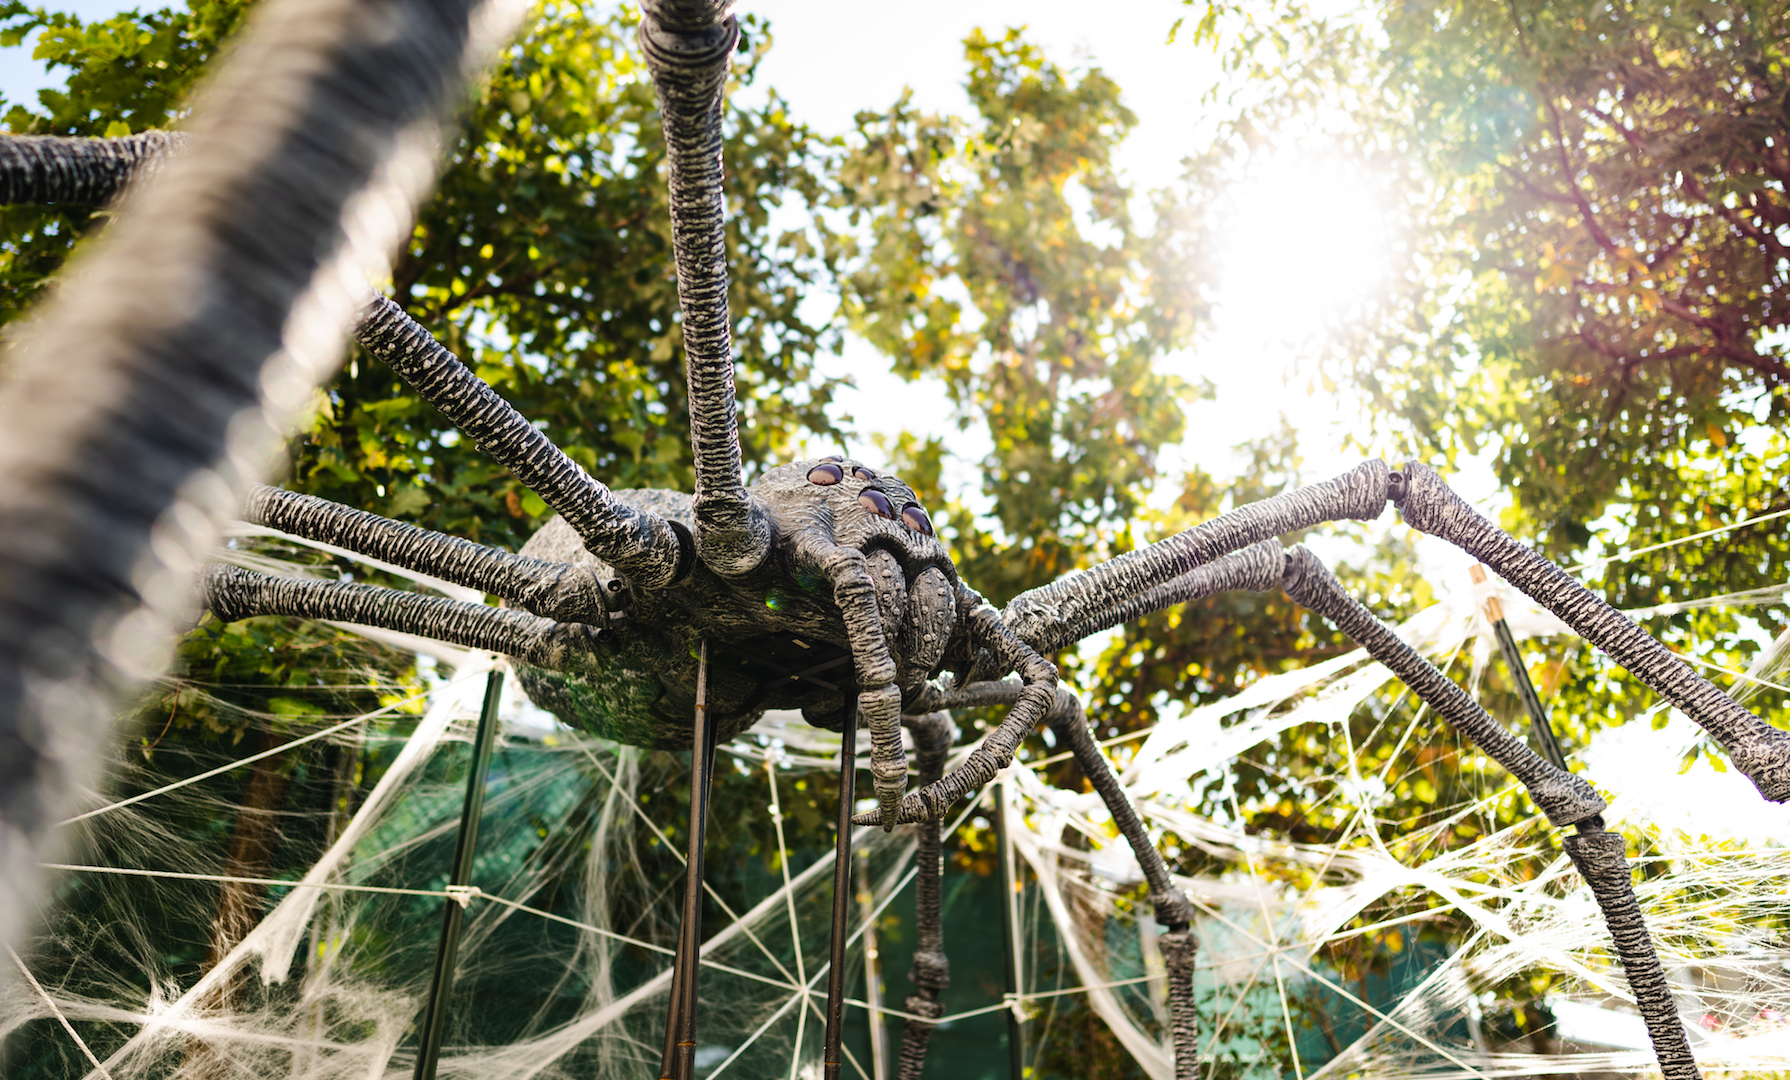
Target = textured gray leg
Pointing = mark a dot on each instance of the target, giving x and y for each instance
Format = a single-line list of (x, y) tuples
[(1256, 568), (39, 169), (233, 593), (642, 546), (1566, 799), (879, 699), (1757, 749), (1036, 692), (1598, 855), (931, 972), (1173, 910), (688, 44), (163, 372), (1075, 600), (563, 592)]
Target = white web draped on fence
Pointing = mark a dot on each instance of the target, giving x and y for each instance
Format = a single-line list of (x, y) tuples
[(565, 963)]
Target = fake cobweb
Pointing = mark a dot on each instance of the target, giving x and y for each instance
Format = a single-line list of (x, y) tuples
[(565, 963)]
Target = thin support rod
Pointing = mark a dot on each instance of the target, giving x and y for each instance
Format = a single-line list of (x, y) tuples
[(1546, 742), (848, 789), (459, 875), (680, 1026), (1010, 974)]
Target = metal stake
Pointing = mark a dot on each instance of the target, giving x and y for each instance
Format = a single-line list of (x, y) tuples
[(452, 913), (848, 790), (1547, 744), (1016, 1033), (680, 1026)]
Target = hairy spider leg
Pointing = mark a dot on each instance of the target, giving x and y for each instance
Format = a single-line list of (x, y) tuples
[(866, 611), (1566, 799), (1756, 748), (1068, 718), (931, 972), (688, 44), (1037, 691), (560, 591), (649, 550), (1081, 604), (232, 593), (679, 1062), (158, 382)]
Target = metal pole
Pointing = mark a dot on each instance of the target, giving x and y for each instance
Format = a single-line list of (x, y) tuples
[(1016, 1033), (848, 790), (873, 979), (452, 914), (680, 1026), (1546, 743)]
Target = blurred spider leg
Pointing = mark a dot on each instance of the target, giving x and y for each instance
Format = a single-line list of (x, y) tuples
[(688, 44), (1032, 697), (47, 169), (1566, 799), (566, 592), (1757, 749), (161, 376), (1173, 910), (648, 549), (680, 1026), (1360, 493), (931, 973), (848, 775), (232, 593)]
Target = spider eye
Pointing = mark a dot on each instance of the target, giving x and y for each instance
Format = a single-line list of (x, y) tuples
[(915, 518), (862, 473), (825, 475), (877, 503), (832, 457)]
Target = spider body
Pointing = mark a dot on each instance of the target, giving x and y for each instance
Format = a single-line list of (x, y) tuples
[(778, 637)]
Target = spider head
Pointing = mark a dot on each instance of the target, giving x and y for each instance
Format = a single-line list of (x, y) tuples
[(841, 524)]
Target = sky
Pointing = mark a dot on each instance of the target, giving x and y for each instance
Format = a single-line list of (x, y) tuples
[(831, 59)]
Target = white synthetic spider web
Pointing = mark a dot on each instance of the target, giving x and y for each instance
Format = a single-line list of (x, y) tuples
[(329, 982)]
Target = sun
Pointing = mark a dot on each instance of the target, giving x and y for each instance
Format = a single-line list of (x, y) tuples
[(1304, 240)]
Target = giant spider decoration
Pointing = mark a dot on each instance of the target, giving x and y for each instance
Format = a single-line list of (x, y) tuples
[(654, 618)]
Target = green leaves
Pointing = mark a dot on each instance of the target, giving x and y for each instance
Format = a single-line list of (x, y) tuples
[(996, 254)]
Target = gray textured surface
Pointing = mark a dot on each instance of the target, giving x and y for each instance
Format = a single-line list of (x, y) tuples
[(563, 591), (43, 169), (1566, 799), (1179, 948), (1599, 857), (688, 45), (1757, 749), (641, 545), (1078, 599), (931, 973), (161, 376), (233, 593)]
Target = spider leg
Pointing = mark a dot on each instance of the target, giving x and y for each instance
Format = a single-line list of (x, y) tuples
[(161, 377), (1565, 798), (563, 592), (1757, 749), (1077, 599), (1032, 697), (233, 593), (931, 973), (645, 547), (47, 169), (1070, 721), (688, 44)]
